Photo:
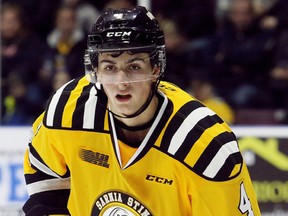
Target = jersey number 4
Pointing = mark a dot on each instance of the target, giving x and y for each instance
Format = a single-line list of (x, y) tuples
[(245, 205)]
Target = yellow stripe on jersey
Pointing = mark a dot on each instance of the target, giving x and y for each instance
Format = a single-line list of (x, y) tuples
[(67, 113), (76, 105), (106, 122), (236, 170), (69, 110), (201, 144)]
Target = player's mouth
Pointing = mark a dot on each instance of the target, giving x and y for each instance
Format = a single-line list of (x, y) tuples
[(123, 97)]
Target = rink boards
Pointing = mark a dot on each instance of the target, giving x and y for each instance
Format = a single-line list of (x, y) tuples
[(265, 150)]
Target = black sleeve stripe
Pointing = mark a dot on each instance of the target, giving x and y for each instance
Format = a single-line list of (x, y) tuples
[(42, 166), (53, 114), (45, 118), (188, 130), (62, 102), (214, 151), (78, 114), (40, 176), (88, 108), (176, 122), (195, 134), (218, 161), (35, 154), (46, 203), (89, 113), (225, 171), (101, 111), (36, 177), (211, 151), (209, 121)]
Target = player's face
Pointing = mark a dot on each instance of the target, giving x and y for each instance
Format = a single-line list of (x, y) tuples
[(126, 80)]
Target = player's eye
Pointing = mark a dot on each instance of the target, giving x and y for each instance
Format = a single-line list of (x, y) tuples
[(134, 67), (109, 68)]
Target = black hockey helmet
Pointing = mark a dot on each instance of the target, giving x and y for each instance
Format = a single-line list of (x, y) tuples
[(134, 30)]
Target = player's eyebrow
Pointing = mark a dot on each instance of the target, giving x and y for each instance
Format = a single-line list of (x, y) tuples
[(136, 59), (107, 61), (142, 59)]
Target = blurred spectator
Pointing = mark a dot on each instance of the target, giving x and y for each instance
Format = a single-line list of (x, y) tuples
[(176, 53), (23, 101), (118, 4), (221, 9), (39, 14), (59, 79), (195, 17), (185, 56), (186, 67), (86, 13), (21, 51), (241, 57), (279, 74), (68, 44), (203, 89), (275, 17)]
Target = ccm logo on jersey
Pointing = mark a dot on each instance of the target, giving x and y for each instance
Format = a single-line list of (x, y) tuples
[(118, 34), (159, 179)]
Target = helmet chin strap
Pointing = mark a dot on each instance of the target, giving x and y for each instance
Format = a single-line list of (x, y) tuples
[(100, 92)]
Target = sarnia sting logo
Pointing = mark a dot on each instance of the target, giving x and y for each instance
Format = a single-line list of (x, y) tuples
[(115, 203)]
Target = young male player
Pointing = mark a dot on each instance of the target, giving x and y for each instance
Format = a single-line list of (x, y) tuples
[(122, 142)]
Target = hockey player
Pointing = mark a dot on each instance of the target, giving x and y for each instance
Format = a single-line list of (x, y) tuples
[(120, 141)]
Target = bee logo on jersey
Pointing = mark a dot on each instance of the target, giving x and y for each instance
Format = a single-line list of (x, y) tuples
[(115, 203)]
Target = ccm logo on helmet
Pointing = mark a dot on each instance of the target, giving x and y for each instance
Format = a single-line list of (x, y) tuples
[(118, 34)]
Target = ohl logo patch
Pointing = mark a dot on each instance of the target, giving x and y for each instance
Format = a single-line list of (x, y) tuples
[(115, 203)]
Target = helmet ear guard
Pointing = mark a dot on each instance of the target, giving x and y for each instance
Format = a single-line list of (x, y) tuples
[(90, 69), (161, 55)]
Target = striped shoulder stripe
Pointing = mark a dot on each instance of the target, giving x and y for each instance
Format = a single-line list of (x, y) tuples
[(87, 106), (76, 108), (38, 164), (53, 116), (220, 158), (37, 182), (48, 185), (186, 127), (176, 122)]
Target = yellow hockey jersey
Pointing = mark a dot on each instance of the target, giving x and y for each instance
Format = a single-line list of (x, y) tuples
[(189, 163)]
